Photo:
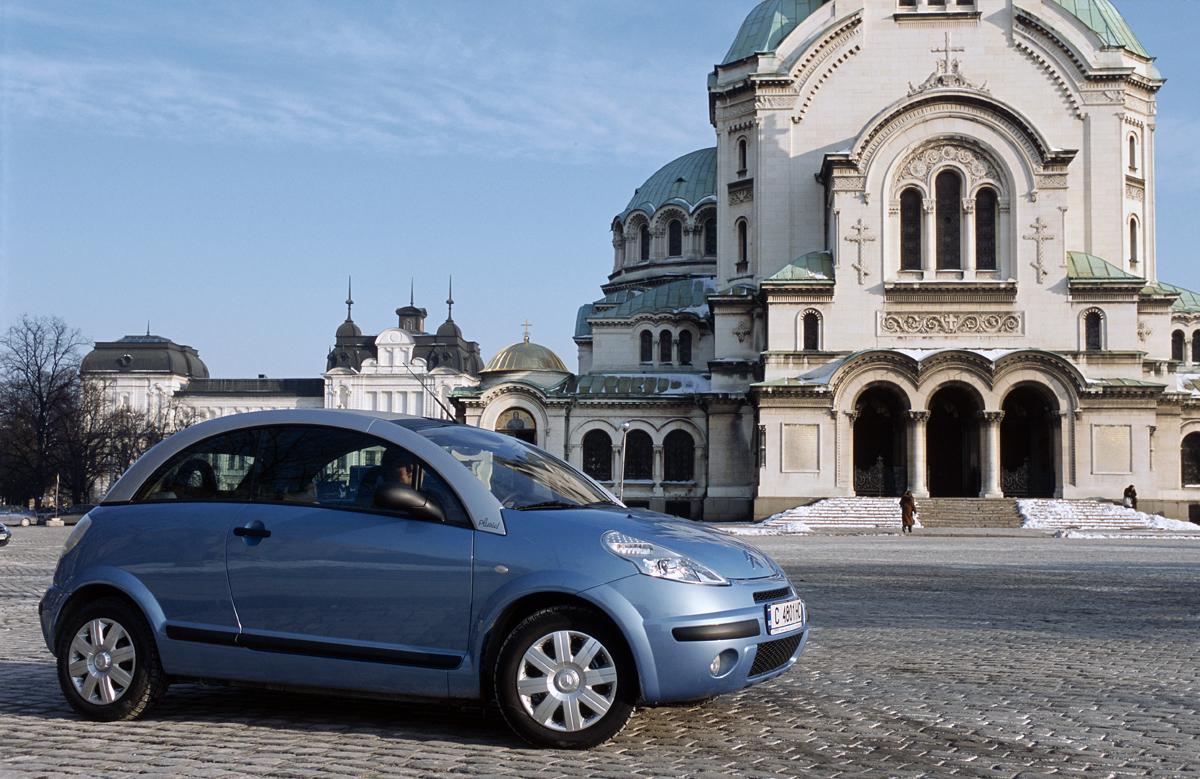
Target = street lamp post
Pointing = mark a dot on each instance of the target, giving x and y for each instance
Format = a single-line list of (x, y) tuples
[(621, 479)]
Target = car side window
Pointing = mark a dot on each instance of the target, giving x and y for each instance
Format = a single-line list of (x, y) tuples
[(218, 468), (336, 468)]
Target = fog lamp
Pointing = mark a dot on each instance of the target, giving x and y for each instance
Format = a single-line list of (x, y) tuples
[(723, 663)]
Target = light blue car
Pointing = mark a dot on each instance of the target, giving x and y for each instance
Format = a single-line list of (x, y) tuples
[(375, 553)]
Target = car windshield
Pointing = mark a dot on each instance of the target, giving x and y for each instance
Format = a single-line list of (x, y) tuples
[(520, 476)]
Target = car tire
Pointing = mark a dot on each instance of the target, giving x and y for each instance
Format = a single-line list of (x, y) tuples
[(108, 664), (564, 678), (24, 521)]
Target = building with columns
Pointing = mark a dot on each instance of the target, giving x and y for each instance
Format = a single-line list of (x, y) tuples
[(921, 255)]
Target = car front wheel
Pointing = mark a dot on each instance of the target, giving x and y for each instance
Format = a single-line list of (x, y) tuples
[(108, 664), (565, 679)]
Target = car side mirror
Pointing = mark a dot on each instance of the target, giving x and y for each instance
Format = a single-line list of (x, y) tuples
[(397, 497)]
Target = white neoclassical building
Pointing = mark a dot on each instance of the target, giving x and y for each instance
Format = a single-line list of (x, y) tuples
[(921, 255)]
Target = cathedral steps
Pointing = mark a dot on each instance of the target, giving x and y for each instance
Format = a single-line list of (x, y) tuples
[(968, 513), (1082, 515)]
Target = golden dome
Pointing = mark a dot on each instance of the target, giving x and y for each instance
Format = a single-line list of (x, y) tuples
[(525, 356)]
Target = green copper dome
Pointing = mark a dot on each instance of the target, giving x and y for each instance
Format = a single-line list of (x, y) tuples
[(1103, 18), (687, 182), (768, 24)]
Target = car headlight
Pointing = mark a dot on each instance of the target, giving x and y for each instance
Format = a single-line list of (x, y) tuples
[(77, 534), (658, 561)]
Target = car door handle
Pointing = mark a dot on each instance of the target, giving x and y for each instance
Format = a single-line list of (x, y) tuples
[(252, 532)]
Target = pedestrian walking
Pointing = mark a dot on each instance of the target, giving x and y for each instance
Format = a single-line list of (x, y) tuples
[(1130, 500), (908, 512)]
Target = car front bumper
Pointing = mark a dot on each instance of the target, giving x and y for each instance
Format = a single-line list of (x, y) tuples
[(684, 628)]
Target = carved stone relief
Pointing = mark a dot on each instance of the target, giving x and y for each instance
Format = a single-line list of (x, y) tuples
[(924, 163), (938, 324)]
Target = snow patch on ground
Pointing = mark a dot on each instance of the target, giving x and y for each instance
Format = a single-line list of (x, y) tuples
[(1136, 536), (1073, 517)]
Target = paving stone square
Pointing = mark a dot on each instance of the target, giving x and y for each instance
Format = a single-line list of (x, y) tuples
[(930, 656)]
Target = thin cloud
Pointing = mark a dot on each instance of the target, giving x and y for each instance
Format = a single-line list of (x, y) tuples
[(413, 85)]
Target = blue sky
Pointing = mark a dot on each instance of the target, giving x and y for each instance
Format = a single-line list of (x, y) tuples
[(220, 168)]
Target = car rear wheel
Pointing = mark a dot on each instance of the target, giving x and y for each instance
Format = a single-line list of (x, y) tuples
[(24, 521), (565, 679), (108, 664)]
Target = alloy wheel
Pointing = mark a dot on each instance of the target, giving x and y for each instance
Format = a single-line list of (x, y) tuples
[(567, 680), (101, 662)]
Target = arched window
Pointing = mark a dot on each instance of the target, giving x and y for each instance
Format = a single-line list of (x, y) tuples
[(1177, 345), (743, 237), (742, 156), (639, 456), (985, 229), (1190, 460), (710, 237), (812, 332), (1196, 347), (1093, 331), (1133, 154), (685, 347), (1133, 241), (679, 456), (597, 455), (644, 243), (664, 346), (910, 229), (675, 238), (949, 220), (646, 353)]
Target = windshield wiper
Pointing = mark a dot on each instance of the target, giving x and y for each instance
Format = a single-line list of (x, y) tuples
[(548, 504)]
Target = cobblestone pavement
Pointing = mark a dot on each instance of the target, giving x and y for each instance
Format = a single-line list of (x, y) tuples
[(930, 656)]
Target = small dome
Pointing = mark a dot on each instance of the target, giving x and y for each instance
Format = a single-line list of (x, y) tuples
[(687, 182), (449, 330), (144, 353), (348, 329), (525, 356), (767, 25)]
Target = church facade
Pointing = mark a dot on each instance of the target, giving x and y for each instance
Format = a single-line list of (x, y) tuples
[(921, 255)]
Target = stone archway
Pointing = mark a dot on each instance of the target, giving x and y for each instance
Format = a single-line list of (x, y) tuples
[(880, 451), (952, 438), (1029, 436)]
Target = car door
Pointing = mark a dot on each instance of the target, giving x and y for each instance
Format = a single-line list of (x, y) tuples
[(317, 572), (182, 516)]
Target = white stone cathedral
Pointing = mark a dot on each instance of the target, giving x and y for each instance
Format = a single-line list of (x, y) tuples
[(920, 256)]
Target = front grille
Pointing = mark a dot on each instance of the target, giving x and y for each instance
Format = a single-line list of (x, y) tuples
[(762, 596), (774, 654)]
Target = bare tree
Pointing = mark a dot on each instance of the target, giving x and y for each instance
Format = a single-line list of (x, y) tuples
[(39, 372)]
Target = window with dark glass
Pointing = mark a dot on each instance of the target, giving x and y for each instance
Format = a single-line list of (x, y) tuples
[(1190, 460), (685, 348), (646, 353), (949, 221), (1093, 331), (1132, 154), (743, 234), (639, 456), (597, 455), (674, 238), (1133, 242), (335, 468), (1196, 347), (710, 237), (664, 346), (1177, 345), (644, 243), (812, 332), (679, 456), (910, 229), (741, 156), (985, 229), (217, 468)]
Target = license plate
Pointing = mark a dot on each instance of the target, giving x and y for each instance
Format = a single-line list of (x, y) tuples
[(784, 616)]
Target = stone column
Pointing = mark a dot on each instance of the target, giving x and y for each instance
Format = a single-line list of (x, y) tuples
[(968, 232), (929, 235), (848, 467), (991, 454), (916, 453), (617, 465), (658, 469)]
